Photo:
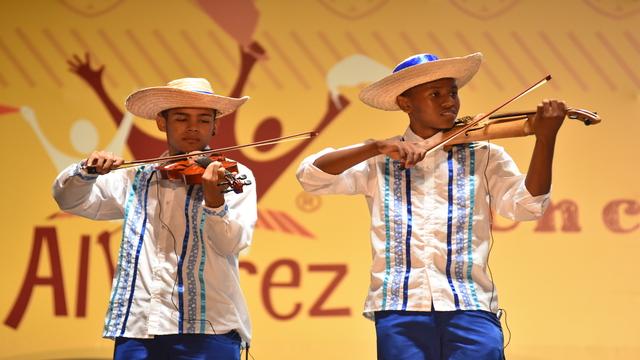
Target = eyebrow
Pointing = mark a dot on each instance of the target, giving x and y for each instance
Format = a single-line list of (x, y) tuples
[(441, 87), (187, 114)]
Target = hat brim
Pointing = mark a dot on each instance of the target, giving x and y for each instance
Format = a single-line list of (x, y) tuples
[(148, 103), (382, 94)]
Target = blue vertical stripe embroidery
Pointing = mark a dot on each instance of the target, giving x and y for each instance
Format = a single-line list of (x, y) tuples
[(183, 253), (203, 257), (191, 263), (122, 262), (461, 218), (472, 199), (407, 272), (137, 257), (398, 241), (127, 246), (449, 227), (387, 234)]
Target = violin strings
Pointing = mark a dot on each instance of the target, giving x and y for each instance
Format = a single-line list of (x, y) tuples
[(294, 137), (473, 123)]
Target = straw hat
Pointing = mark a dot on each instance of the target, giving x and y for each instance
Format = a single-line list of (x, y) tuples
[(181, 93), (416, 70)]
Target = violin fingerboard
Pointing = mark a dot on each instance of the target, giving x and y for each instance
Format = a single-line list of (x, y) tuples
[(203, 161)]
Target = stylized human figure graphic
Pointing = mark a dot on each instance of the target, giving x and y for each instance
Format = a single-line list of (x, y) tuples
[(352, 71), (83, 136), (143, 145)]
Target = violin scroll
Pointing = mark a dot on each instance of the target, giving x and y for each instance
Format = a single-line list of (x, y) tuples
[(585, 116)]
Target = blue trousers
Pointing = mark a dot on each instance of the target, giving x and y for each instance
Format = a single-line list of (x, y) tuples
[(184, 346), (414, 335)]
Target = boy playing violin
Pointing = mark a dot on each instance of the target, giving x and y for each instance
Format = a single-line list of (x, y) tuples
[(176, 291), (430, 294)]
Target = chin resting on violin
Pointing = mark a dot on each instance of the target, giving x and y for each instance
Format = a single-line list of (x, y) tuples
[(182, 232), (431, 208)]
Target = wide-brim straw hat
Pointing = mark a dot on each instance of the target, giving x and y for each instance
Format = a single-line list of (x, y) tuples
[(416, 70), (180, 93)]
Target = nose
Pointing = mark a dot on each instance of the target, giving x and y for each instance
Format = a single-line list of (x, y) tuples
[(192, 127), (449, 101)]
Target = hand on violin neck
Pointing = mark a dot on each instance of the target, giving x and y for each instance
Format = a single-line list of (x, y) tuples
[(549, 117), (213, 175), (409, 152), (102, 162)]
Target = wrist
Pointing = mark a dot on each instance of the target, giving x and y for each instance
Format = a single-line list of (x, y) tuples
[(376, 146), (213, 204), (547, 139), (214, 201)]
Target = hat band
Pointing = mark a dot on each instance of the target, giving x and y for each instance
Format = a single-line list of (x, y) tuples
[(415, 60)]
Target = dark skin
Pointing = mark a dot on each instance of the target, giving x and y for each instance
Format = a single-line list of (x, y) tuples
[(187, 130), (433, 107)]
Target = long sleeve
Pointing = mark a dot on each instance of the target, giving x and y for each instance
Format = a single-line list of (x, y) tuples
[(355, 180), (230, 227), (509, 195), (92, 196)]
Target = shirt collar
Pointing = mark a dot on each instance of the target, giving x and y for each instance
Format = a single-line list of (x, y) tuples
[(409, 135)]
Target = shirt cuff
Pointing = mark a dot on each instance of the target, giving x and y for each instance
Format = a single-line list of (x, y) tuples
[(535, 204), (219, 211), (318, 174), (81, 172)]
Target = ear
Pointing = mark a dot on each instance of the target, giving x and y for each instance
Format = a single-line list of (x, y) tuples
[(215, 122), (161, 122), (403, 103)]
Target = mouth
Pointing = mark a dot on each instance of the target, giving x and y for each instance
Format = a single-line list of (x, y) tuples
[(449, 113)]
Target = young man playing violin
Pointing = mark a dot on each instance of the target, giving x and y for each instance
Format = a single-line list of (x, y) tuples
[(176, 291), (430, 294)]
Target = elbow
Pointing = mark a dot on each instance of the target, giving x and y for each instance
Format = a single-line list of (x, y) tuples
[(230, 244), (65, 204)]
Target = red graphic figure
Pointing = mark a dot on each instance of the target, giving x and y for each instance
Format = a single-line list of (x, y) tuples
[(4, 109), (143, 145), (238, 18)]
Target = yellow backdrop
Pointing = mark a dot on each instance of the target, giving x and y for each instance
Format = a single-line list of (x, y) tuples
[(569, 282)]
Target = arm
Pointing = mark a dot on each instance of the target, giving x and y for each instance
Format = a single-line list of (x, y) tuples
[(94, 196), (93, 77), (229, 226), (508, 194), (547, 122), (338, 161)]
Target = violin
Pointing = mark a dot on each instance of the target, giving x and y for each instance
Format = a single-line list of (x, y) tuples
[(490, 126), (190, 171), (189, 168), (508, 125)]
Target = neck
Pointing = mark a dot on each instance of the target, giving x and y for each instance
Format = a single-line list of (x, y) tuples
[(423, 132)]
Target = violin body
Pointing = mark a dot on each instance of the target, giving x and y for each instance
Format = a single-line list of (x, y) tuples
[(190, 171), (507, 125)]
